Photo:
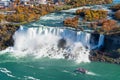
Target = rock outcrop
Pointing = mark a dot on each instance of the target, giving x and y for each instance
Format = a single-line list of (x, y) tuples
[(104, 57), (109, 52), (6, 33)]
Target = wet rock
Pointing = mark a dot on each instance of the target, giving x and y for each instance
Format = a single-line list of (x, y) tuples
[(62, 43), (6, 35), (112, 42), (103, 57)]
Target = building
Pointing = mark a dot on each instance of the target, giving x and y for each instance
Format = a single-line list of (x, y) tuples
[(42, 1), (4, 3), (56, 1), (25, 1)]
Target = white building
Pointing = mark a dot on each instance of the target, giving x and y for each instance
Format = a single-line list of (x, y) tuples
[(34, 1), (4, 3), (41, 1)]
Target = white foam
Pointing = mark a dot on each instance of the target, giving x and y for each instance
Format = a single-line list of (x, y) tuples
[(95, 7), (92, 73), (7, 72), (30, 78), (43, 42), (52, 16), (37, 25), (73, 10)]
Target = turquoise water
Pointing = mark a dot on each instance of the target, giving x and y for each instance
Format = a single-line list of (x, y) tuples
[(30, 68), (54, 69)]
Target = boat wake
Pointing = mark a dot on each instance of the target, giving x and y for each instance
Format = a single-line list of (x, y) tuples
[(7, 72), (92, 73), (30, 78), (65, 71)]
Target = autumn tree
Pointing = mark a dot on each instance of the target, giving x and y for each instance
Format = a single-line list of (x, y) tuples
[(117, 15), (17, 2), (2, 17), (115, 7), (109, 25), (91, 15), (71, 22)]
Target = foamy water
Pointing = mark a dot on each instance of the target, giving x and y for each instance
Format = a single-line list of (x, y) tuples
[(43, 42), (7, 72)]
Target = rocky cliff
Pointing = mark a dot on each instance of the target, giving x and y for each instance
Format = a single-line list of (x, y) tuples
[(109, 52), (6, 33)]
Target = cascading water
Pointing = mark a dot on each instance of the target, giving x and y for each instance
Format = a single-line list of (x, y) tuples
[(96, 44), (101, 40), (44, 41)]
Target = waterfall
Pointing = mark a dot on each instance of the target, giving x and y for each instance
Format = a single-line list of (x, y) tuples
[(68, 34), (101, 41), (52, 42)]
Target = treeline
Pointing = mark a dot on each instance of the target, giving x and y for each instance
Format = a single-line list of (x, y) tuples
[(27, 14), (91, 15), (71, 22), (116, 9), (87, 2)]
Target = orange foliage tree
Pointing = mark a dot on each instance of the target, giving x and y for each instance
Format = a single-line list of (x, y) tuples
[(2, 17), (109, 25), (117, 15), (90, 15), (71, 22)]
